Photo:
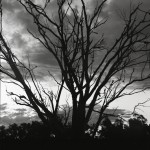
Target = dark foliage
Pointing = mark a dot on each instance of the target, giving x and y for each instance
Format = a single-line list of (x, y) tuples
[(136, 134)]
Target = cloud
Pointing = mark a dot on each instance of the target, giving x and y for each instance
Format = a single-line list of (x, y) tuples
[(16, 22), (3, 107), (15, 9), (20, 115), (26, 46), (120, 112), (18, 41), (6, 120), (20, 112), (110, 112), (26, 21), (16, 25), (42, 56), (121, 4), (115, 24), (11, 6)]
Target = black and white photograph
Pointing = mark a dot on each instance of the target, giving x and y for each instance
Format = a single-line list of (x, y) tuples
[(75, 74)]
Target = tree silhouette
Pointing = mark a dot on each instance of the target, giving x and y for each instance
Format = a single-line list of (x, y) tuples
[(111, 135), (3, 132), (138, 127), (75, 42)]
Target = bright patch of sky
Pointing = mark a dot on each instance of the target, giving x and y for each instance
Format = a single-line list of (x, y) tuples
[(127, 102)]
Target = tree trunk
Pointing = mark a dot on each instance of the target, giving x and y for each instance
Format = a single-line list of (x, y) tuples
[(55, 125), (78, 124), (98, 121)]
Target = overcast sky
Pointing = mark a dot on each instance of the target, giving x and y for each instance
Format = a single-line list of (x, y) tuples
[(16, 21)]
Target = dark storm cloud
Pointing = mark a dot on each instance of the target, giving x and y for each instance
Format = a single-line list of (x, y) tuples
[(39, 55), (112, 28), (121, 4), (26, 21), (18, 40), (10, 5), (115, 24), (44, 62), (21, 16), (43, 56)]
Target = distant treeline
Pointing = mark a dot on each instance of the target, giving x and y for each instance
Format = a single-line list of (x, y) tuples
[(135, 131)]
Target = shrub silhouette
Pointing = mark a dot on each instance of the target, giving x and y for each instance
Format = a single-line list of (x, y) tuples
[(3, 132), (35, 133), (138, 129), (24, 131)]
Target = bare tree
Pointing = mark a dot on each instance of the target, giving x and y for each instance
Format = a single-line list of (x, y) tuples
[(45, 103), (75, 43)]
